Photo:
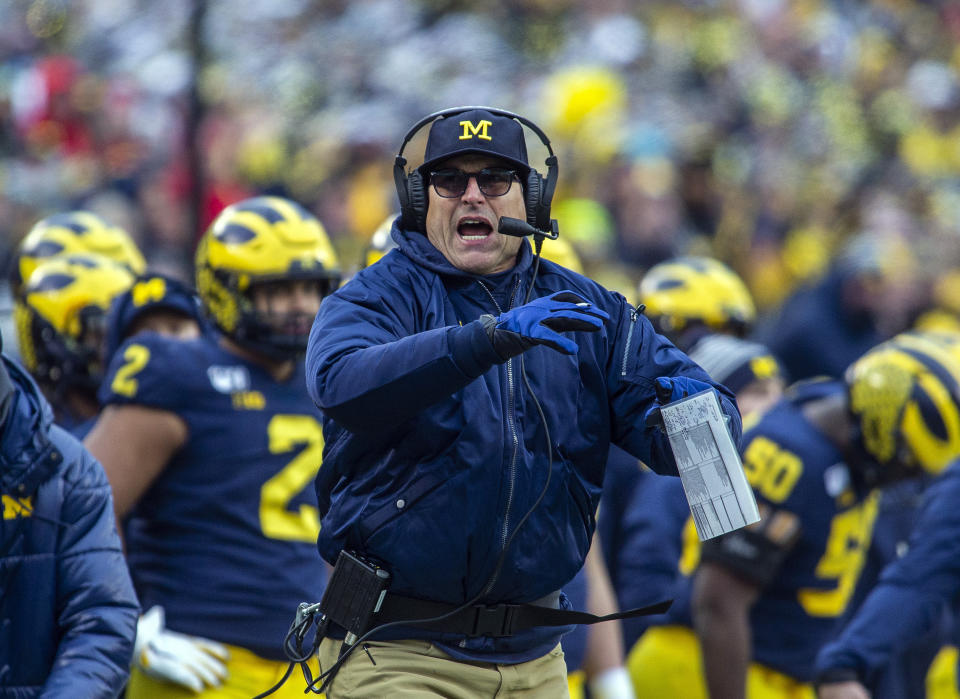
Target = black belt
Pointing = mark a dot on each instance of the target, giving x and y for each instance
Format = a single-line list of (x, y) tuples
[(496, 620)]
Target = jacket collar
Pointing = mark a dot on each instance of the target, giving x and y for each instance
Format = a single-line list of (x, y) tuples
[(418, 248), (27, 458)]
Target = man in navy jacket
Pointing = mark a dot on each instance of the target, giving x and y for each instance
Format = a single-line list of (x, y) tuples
[(68, 613), (470, 394)]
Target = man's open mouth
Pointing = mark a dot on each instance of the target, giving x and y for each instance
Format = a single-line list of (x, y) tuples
[(474, 228)]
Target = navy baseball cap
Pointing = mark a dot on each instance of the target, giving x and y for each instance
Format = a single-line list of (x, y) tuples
[(476, 131)]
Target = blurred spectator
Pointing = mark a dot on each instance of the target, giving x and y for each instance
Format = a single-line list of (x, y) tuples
[(824, 327)]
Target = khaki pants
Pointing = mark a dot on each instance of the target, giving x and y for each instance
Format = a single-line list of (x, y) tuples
[(420, 669)]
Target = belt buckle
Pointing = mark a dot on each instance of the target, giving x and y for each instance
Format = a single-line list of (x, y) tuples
[(495, 621)]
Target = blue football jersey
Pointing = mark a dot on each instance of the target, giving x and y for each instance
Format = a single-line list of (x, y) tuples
[(913, 592), (815, 531), (225, 538)]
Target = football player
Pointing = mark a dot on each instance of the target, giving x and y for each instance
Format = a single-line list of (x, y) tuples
[(699, 304), (906, 607), (211, 446), (380, 242), (767, 597), (60, 318)]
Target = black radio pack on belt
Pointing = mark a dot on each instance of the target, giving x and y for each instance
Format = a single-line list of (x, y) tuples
[(354, 594)]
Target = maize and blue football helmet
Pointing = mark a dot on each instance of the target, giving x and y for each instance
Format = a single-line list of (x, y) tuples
[(904, 397), (256, 241), (60, 318), (68, 233), (693, 291)]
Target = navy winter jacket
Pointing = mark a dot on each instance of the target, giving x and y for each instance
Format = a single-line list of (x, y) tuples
[(68, 613), (435, 449)]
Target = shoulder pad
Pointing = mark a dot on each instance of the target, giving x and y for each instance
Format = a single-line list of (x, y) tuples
[(154, 371)]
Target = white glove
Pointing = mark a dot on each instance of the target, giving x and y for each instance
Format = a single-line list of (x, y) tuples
[(189, 661), (612, 684)]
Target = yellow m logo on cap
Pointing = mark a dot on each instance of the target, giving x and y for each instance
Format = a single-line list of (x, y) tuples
[(480, 130)]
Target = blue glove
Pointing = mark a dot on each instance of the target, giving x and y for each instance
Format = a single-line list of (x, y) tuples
[(670, 389), (540, 322)]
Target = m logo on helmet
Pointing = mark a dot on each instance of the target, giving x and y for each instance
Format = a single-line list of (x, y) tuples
[(879, 400), (906, 396), (480, 130)]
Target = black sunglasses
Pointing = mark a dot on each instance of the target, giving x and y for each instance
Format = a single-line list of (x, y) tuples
[(492, 181)]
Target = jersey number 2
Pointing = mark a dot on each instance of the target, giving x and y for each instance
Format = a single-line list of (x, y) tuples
[(285, 433), (124, 384)]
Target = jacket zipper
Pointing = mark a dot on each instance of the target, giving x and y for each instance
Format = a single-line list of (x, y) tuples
[(626, 350), (512, 423)]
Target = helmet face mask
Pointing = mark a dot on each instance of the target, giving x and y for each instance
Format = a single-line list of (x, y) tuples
[(904, 397), (282, 333), (60, 320), (254, 246)]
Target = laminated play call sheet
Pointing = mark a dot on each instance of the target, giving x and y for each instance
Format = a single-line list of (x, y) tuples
[(717, 491)]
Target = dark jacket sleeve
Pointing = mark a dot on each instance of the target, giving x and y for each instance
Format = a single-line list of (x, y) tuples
[(366, 370), (913, 590), (640, 356), (97, 608)]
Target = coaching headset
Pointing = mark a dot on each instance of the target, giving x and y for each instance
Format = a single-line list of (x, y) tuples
[(538, 191)]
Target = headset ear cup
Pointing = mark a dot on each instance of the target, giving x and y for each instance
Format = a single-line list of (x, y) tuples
[(415, 214), (532, 194)]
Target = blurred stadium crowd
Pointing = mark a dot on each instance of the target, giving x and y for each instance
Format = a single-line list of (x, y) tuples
[(766, 133)]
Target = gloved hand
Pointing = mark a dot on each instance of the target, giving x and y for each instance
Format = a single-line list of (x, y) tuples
[(613, 683), (189, 661), (540, 322), (670, 389)]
